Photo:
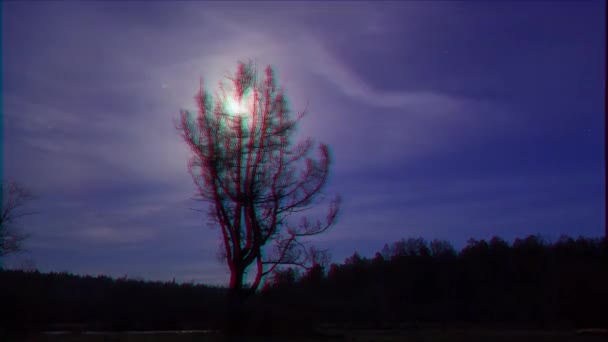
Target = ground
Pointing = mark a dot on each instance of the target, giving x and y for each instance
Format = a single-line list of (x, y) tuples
[(377, 335)]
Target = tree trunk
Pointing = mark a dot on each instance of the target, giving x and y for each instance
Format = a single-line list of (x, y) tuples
[(236, 297)]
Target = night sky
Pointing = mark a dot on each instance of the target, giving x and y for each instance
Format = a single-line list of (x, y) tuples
[(450, 120)]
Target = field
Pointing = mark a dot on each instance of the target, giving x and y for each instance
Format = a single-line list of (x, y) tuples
[(377, 335)]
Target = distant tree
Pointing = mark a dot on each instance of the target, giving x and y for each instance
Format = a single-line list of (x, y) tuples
[(442, 248), (355, 260), (408, 248), (283, 278), (378, 259), (386, 252), (475, 248), (315, 273), (14, 198)]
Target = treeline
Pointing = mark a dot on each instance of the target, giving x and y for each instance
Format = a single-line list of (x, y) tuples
[(529, 284), (33, 301)]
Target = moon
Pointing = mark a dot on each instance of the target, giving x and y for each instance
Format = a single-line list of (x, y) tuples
[(234, 106), (241, 108)]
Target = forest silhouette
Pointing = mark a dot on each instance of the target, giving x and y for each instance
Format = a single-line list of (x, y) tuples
[(411, 283)]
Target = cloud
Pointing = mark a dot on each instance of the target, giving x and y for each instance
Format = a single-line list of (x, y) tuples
[(114, 235)]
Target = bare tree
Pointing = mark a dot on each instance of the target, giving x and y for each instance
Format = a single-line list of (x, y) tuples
[(256, 181), (15, 196)]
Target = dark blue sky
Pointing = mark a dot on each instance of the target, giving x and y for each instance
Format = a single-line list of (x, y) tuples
[(450, 120)]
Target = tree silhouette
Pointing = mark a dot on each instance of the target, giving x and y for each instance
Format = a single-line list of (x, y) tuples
[(256, 181), (14, 197)]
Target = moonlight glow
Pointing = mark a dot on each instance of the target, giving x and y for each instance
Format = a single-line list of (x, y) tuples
[(235, 107), (242, 108)]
